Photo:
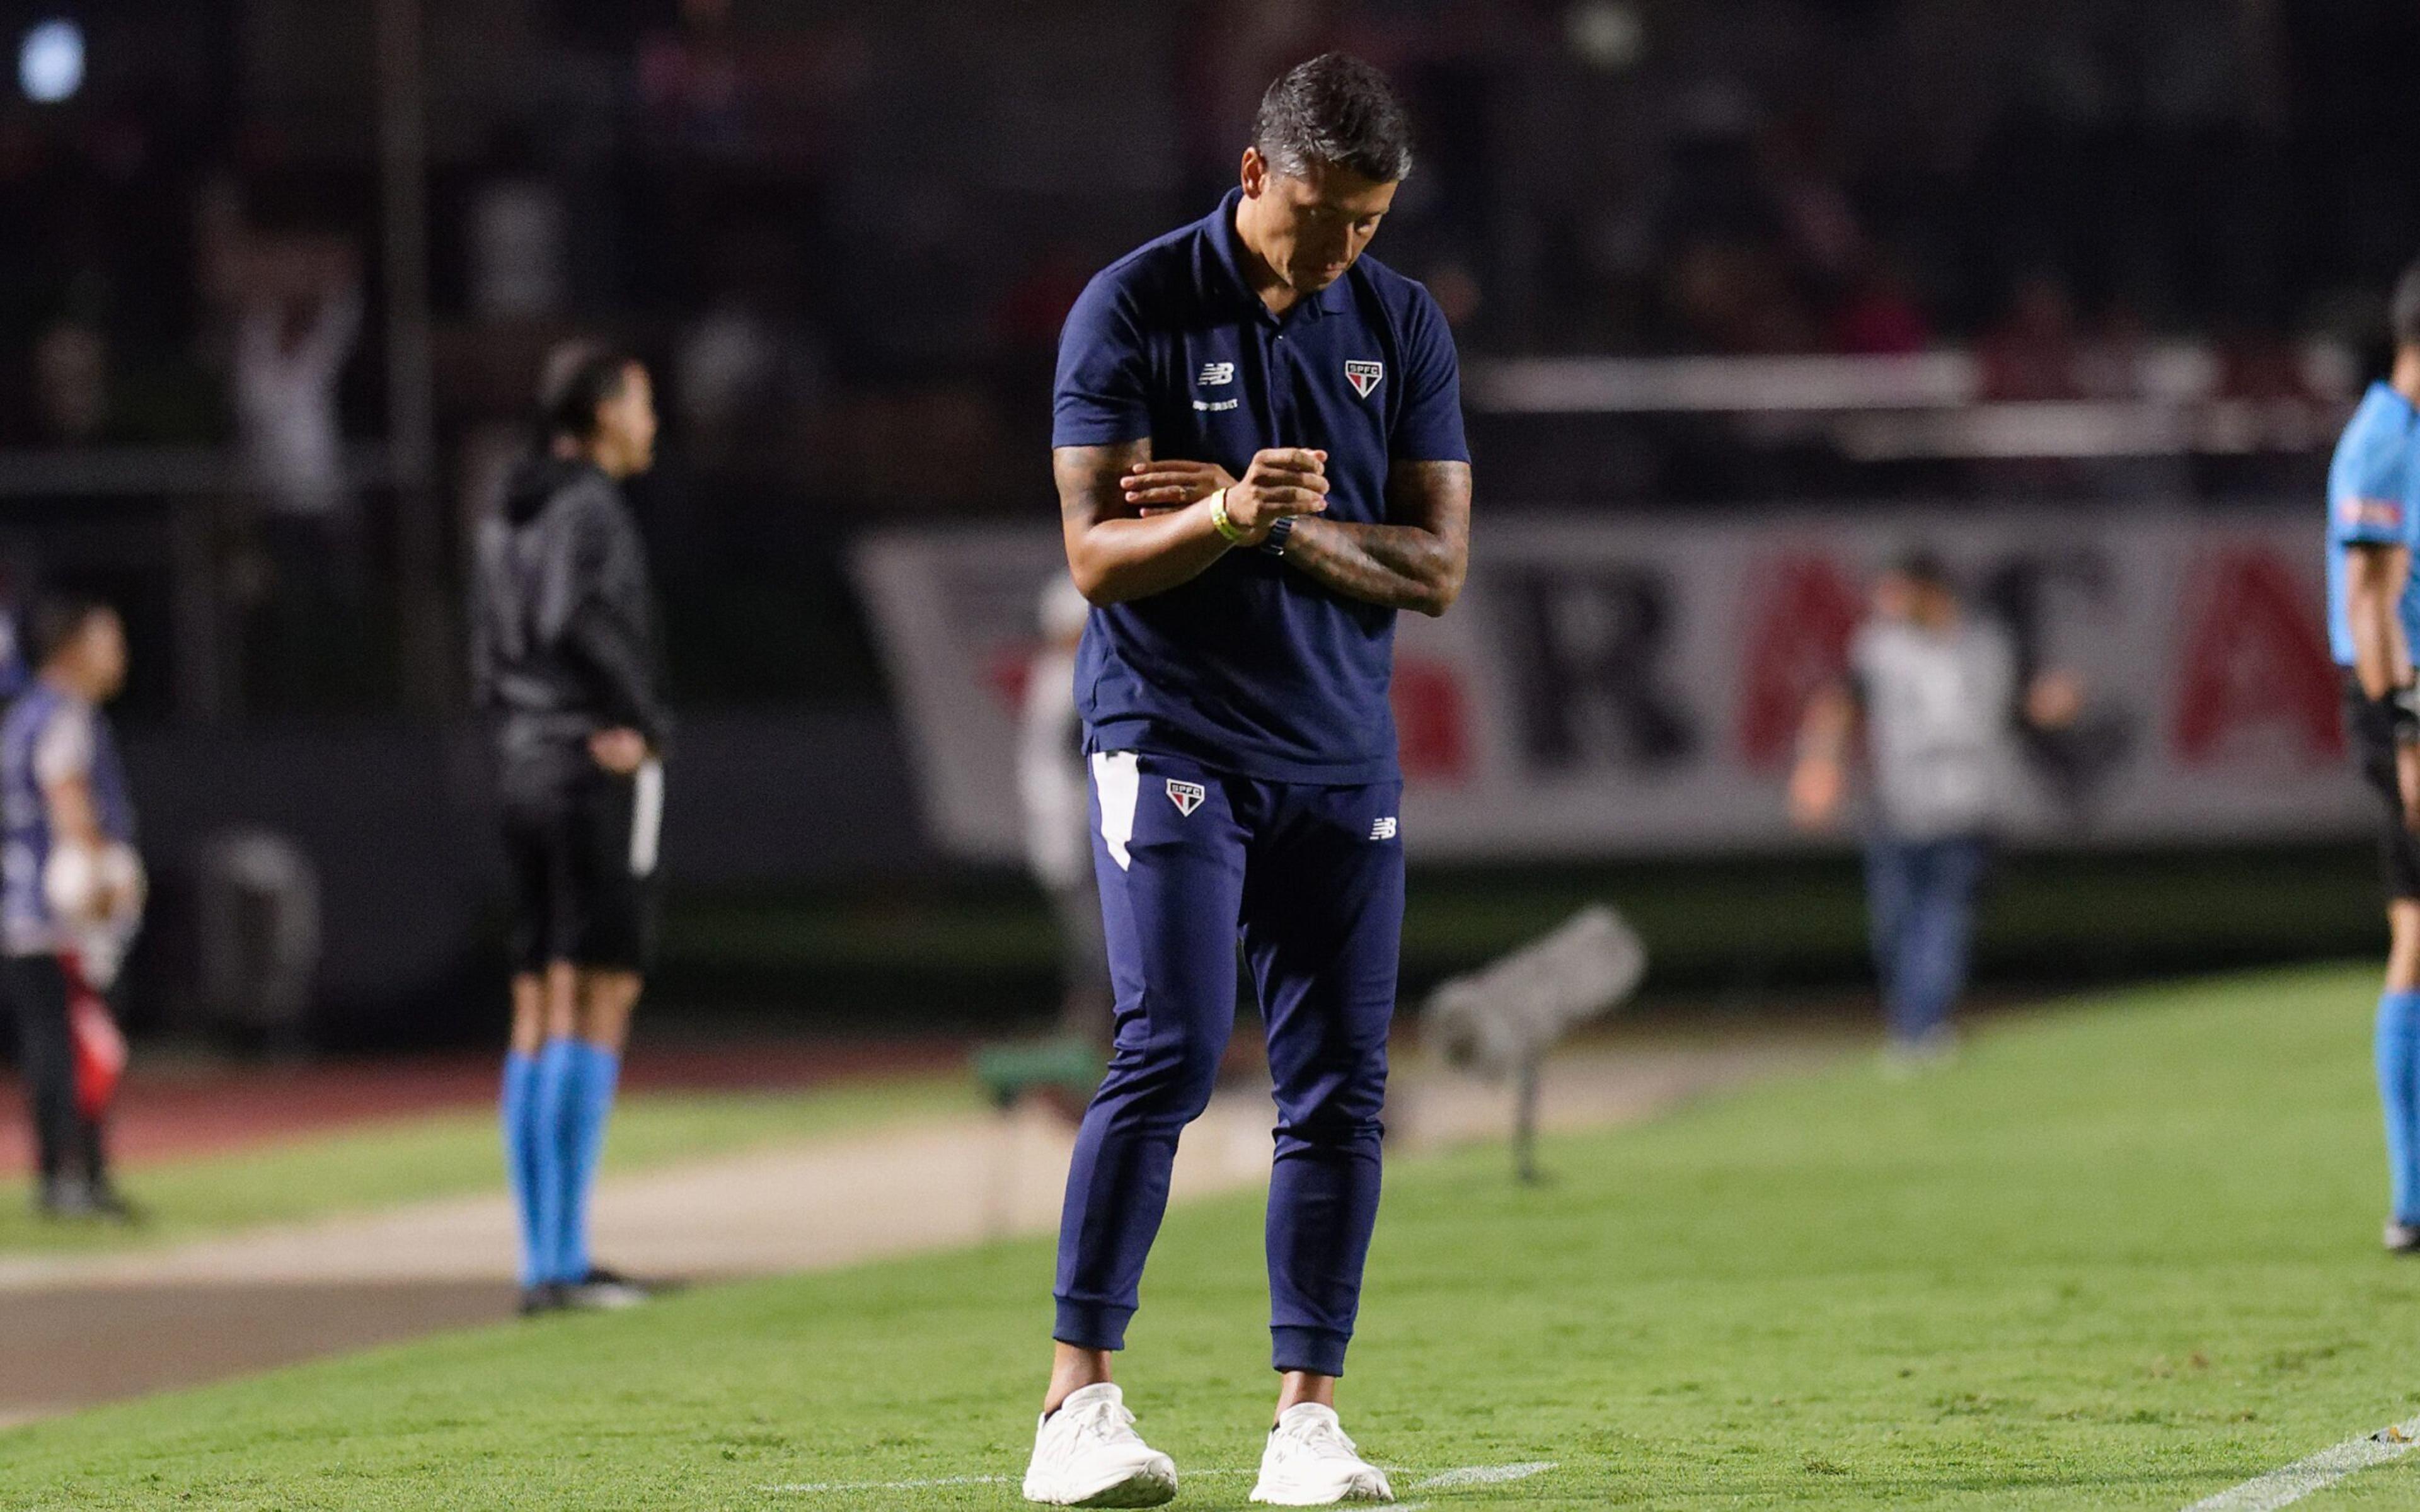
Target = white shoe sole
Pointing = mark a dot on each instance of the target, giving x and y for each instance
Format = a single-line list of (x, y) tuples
[(1148, 1486)]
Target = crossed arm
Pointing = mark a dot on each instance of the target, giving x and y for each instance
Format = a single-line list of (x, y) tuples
[(1117, 550), (1415, 561), (1135, 526)]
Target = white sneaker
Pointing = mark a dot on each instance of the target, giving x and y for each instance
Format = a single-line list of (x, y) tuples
[(1087, 1454), (1310, 1462)]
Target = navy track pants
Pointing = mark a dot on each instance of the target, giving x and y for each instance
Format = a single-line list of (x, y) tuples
[(1312, 878)]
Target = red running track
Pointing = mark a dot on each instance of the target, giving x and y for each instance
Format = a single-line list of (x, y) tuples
[(184, 1108)]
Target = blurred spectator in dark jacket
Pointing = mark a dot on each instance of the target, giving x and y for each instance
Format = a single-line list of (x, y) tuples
[(2034, 352), (71, 382)]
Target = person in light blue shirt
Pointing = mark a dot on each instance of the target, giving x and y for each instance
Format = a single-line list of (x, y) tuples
[(2373, 619)]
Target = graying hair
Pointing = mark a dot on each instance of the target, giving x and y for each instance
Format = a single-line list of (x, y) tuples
[(2403, 313), (1337, 111)]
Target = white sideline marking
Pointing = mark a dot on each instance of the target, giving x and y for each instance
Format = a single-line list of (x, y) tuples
[(1484, 1475), (815, 1488), (1467, 1476), (2288, 1484)]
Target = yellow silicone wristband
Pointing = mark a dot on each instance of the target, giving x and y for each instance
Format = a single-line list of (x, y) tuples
[(1220, 522)]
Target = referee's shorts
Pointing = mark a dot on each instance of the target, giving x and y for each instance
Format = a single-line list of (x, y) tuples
[(582, 856), (2373, 745)]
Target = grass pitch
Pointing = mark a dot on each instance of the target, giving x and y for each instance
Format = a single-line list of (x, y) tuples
[(2122, 1254)]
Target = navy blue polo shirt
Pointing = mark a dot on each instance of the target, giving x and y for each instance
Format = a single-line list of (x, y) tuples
[(1253, 667)]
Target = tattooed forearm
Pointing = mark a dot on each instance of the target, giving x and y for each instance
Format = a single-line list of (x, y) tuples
[(1414, 561), (1088, 479), (1113, 552), (1401, 566)]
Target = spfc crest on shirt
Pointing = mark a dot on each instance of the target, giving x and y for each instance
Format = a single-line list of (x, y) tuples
[(1188, 797), (1364, 376)]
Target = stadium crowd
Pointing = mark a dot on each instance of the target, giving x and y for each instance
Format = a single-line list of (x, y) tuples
[(832, 236)]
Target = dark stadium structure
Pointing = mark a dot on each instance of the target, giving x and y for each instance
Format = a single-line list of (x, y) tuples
[(277, 275)]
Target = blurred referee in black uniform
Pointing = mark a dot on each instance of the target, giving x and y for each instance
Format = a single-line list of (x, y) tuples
[(565, 660)]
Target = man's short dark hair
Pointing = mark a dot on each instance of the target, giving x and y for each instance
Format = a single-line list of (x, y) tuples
[(2403, 312), (579, 376), (1923, 567), (1338, 111), (57, 620)]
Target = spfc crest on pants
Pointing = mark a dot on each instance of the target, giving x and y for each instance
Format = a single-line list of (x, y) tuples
[(1188, 797), (1364, 376)]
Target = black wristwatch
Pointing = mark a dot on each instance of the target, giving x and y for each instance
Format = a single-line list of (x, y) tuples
[(1274, 543)]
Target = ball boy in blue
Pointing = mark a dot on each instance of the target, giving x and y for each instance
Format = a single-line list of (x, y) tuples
[(2373, 616), (1258, 451)]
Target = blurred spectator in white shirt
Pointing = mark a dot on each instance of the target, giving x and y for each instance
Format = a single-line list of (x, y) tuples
[(1057, 795), (290, 353)]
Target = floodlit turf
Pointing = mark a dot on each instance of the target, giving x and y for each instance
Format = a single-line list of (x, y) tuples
[(451, 1154), (2120, 1256), (977, 949)]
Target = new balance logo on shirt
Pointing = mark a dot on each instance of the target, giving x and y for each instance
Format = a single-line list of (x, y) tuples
[(1216, 376), (1384, 828)]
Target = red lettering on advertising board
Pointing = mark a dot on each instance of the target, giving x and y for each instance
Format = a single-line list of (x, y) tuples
[(2253, 660), (1431, 722), (1431, 715), (1809, 611), (1005, 671)]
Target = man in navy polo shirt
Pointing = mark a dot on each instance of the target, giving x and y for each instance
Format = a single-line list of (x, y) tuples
[(1260, 458)]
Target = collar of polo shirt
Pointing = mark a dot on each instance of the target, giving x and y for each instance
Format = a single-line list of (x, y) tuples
[(1229, 250)]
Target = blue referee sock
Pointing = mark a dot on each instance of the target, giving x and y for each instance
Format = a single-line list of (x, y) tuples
[(2398, 1091), (519, 1111), (557, 1091), (590, 1109)]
